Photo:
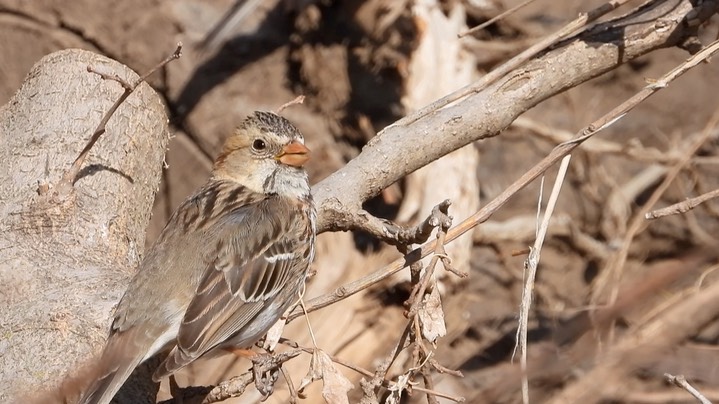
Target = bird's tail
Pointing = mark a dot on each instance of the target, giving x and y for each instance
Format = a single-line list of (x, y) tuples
[(98, 381), (102, 389)]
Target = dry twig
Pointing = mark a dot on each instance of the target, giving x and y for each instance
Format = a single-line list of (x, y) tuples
[(681, 381), (683, 206), (531, 265), (496, 18), (394, 233), (64, 186), (298, 100)]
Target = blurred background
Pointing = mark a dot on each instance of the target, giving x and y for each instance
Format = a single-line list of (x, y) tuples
[(364, 64)]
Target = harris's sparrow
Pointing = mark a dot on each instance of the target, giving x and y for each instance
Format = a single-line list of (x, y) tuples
[(231, 260)]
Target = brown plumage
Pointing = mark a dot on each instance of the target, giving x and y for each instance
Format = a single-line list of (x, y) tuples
[(229, 263)]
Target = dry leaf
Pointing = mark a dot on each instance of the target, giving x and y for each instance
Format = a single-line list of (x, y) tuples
[(273, 335), (334, 385), (395, 392), (431, 316), (314, 372)]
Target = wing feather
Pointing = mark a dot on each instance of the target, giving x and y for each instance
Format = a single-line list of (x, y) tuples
[(241, 278)]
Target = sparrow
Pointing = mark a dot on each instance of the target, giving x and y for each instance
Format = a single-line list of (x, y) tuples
[(230, 261)]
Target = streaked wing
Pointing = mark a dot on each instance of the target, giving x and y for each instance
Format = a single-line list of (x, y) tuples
[(246, 274), (231, 295)]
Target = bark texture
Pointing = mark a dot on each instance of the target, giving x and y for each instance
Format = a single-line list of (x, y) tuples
[(93, 237)]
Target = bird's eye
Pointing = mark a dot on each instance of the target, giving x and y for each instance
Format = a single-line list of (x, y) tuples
[(259, 145)]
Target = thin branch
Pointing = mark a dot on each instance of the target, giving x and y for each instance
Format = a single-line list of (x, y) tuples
[(681, 381), (427, 377), (496, 18), (682, 207), (298, 100), (439, 394), (632, 150), (394, 233), (64, 186)]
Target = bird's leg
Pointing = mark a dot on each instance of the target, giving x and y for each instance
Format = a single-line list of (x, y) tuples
[(266, 369)]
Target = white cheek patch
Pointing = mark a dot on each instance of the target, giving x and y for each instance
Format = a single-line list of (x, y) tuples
[(282, 256)]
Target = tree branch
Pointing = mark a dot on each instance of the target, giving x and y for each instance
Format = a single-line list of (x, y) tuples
[(485, 113)]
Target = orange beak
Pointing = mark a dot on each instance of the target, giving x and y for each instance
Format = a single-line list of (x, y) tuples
[(294, 154)]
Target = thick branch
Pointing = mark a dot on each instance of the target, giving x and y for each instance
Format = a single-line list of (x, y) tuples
[(65, 264), (484, 114)]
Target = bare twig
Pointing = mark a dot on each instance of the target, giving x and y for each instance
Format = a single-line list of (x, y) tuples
[(290, 386), (298, 100), (64, 186), (439, 394), (393, 233), (496, 18), (681, 381), (427, 377), (682, 207)]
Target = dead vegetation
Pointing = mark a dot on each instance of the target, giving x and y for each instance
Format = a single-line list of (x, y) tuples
[(618, 300)]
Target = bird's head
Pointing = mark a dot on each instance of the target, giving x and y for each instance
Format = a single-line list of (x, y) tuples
[(266, 154)]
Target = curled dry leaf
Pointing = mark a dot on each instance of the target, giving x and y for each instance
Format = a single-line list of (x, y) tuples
[(431, 316), (273, 335), (395, 392), (335, 386)]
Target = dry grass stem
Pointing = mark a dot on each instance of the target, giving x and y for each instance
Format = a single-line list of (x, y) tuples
[(531, 265)]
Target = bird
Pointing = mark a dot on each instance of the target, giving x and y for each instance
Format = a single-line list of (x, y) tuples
[(231, 260)]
